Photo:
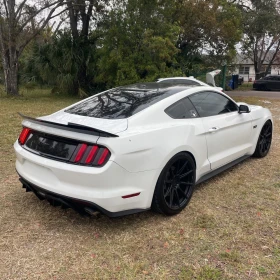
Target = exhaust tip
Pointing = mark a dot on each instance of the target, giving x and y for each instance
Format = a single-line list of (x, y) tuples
[(91, 212)]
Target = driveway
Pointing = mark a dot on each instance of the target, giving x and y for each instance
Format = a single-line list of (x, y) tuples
[(262, 94)]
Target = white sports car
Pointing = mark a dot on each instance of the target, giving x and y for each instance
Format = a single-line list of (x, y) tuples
[(191, 81), (138, 147)]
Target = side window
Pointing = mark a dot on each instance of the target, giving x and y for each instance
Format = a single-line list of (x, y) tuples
[(211, 103), (182, 109)]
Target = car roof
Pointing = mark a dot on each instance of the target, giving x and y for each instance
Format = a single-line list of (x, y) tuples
[(177, 78), (155, 114), (156, 86), (191, 78)]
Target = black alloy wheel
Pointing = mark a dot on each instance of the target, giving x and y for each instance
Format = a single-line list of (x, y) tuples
[(264, 141), (175, 185)]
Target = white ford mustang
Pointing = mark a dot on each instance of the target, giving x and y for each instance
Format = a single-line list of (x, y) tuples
[(138, 147), (210, 78)]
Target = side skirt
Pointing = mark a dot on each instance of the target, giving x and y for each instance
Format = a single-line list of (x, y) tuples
[(221, 169)]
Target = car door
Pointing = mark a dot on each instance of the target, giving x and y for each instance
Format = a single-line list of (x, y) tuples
[(271, 82), (227, 132)]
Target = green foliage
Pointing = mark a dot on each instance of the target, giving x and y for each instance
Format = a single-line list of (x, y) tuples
[(136, 41), (211, 27), (261, 24), (262, 19), (56, 63), (138, 44)]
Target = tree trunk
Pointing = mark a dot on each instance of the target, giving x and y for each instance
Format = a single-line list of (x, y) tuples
[(11, 80), (75, 88), (10, 67), (257, 70)]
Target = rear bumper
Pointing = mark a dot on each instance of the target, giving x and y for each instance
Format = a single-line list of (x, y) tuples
[(80, 206), (99, 188)]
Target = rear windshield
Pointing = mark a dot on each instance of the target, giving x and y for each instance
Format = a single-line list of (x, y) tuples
[(123, 102)]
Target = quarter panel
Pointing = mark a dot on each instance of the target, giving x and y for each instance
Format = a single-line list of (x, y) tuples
[(259, 116), (151, 147)]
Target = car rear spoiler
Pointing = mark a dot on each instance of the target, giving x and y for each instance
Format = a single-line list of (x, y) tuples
[(71, 127)]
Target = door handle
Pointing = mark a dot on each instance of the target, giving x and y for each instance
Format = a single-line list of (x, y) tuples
[(213, 129)]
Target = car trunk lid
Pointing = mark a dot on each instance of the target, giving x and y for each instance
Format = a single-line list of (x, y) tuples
[(112, 126), (68, 142), (57, 132)]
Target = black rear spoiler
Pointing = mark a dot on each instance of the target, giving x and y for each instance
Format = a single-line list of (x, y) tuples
[(71, 127)]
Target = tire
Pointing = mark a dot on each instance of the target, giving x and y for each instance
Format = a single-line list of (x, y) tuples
[(175, 185), (264, 141)]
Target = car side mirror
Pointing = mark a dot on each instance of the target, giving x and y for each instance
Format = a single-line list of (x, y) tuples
[(243, 109)]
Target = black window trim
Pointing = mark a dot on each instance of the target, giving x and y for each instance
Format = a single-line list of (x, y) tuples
[(203, 91)]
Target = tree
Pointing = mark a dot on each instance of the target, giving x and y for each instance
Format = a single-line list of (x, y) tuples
[(137, 43), (67, 60), (18, 26), (208, 28), (261, 42), (57, 63), (83, 17)]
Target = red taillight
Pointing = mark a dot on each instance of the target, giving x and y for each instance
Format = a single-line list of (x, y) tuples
[(103, 157), (91, 154), (80, 153), (24, 135)]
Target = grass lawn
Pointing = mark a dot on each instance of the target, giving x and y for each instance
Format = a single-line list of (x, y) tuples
[(230, 230), (245, 87)]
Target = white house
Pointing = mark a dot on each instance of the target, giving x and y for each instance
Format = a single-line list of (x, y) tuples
[(245, 68)]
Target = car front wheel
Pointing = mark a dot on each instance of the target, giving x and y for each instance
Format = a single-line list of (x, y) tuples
[(264, 141), (175, 185)]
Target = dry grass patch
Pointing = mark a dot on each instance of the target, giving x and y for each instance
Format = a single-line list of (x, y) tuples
[(230, 230)]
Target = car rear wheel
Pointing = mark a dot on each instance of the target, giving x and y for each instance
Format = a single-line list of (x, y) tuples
[(175, 185), (264, 141)]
